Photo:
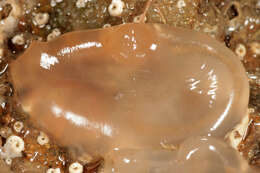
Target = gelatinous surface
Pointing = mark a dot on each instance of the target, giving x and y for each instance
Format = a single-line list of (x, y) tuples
[(196, 154), (140, 161), (131, 86), (210, 154)]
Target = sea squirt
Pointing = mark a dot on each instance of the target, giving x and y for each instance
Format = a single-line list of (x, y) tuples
[(132, 86)]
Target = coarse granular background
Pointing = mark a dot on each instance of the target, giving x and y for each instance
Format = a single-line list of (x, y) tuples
[(234, 23)]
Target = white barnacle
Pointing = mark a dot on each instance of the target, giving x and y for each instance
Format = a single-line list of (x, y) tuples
[(81, 3), (75, 168), (42, 139), (15, 144), (18, 126), (116, 8), (8, 161), (18, 40), (13, 147), (55, 33), (52, 170), (240, 51), (255, 48), (55, 2), (8, 24), (181, 4), (107, 25), (41, 19)]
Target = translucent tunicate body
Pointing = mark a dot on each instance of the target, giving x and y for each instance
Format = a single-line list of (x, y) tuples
[(196, 154), (133, 86)]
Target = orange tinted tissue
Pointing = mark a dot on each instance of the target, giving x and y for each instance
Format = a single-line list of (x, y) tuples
[(128, 92)]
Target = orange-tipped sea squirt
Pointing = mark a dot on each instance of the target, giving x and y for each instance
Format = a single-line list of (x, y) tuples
[(132, 86)]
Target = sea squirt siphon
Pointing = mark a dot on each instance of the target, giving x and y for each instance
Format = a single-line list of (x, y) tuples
[(132, 86)]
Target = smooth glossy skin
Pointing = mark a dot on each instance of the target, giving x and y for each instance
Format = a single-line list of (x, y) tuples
[(131, 86), (196, 154)]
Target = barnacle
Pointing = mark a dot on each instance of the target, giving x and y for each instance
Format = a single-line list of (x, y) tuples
[(13, 148), (18, 126), (52, 170), (76, 168), (55, 33), (8, 23), (240, 51), (42, 139), (41, 19), (18, 39), (116, 8)]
